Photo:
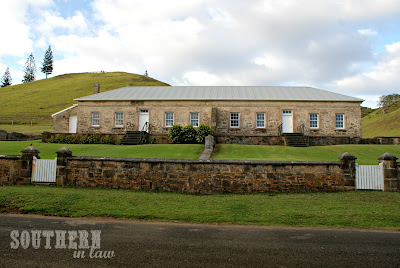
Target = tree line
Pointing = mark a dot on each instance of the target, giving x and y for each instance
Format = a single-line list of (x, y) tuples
[(30, 69)]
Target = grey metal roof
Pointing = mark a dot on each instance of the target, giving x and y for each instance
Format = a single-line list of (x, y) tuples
[(249, 93)]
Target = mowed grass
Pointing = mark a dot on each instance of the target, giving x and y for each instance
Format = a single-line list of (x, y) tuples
[(356, 209), (27, 128), (384, 122), (366, 154), (47, 150), (38, 100)]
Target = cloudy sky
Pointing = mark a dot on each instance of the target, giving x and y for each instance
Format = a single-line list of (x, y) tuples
[(346, 46)]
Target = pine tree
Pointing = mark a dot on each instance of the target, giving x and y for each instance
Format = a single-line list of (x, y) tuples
[(48, 62), (6, 79), (146, 73), (29, 69)]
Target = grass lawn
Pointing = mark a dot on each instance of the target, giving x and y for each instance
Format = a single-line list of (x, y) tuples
[(357, 209), (27, 128), (47, 150), (366, 154)]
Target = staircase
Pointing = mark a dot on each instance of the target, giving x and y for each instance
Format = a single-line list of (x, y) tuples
[(296, 139), (133, 137)]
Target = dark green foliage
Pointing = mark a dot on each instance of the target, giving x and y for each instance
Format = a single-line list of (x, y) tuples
[(189, 134), (29, 69), (6, 79), (85, 139), (202, 132), (388, 99), (48, 62), (175, 134), (150, 141)]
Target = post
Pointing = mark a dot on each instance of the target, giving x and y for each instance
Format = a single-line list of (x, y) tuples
[(348, 165), (26, 163), (390, 172), (62, 162)]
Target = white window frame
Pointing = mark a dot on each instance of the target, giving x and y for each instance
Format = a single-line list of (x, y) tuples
[(168, 122), (314, 120), (119, 120), (259, 120), (233, 121), (195, 122), (95, 118), (339, 120)]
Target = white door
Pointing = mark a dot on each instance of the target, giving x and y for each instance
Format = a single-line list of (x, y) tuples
[(73, 123), (143, 118), (287, 121)]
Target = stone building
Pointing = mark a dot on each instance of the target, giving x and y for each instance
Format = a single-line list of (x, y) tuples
[(235, 113)]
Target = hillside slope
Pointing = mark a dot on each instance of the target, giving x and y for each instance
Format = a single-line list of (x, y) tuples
[(37, 100), (384, 121)]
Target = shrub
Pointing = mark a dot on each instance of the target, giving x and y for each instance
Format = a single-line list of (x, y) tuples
[(175, 134), (189, 134), (107, 140), (202, 132)]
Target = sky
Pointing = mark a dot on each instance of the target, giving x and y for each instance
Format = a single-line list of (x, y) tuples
[(350, 47)]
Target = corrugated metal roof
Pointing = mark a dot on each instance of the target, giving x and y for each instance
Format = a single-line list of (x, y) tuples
[(219, 93)]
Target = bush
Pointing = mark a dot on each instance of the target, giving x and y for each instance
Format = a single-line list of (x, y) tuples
[(202, 132), (189, 134), (175, 134), (107, 140), (85, 139)]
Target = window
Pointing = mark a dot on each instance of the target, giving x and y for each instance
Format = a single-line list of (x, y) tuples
[(119, 119), (194, 119), (95, 119), (234, 123), (339, 121), (287, 112), (169, 119), (313, 120), (260, 120)]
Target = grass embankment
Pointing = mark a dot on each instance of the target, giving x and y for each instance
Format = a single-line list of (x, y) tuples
[(378, 210), (37, 100), (384, 122), (47, 150), (366, 154)]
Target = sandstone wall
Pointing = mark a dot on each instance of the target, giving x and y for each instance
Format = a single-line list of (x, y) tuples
[(202, 177), (61, 121), (10, 169)]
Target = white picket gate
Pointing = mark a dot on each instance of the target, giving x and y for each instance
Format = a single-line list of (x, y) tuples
[(44, 170), (369, 177)]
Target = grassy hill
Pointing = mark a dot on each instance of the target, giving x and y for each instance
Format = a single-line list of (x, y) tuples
[(37, 100), (384, 121)]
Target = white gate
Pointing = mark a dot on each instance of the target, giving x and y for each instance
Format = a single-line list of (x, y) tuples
[(369, 177), (44, 170)]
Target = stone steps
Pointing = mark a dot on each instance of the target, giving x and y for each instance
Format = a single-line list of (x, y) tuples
[(295, 140)]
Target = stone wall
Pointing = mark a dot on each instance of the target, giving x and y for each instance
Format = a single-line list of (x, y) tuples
[(15, 136), (216, 114), (61, 120), (332, 140), (205, 177)]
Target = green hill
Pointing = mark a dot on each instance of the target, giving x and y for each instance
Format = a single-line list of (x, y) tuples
[(384, 121), (38, 100)]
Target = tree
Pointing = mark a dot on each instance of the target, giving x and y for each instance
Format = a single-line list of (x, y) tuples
[(387, 99), (146, 73), (6, 79), (48, 62), (29, 69)]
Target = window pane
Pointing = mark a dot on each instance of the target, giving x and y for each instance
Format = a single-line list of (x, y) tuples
[(339, 120), (169, 119), (234, 120), (95, 118), (313, 120), (119, 119), (194, 119), (260, 120)]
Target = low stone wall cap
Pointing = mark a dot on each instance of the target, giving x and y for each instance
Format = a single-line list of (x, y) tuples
[(387, 156), (347, 156), (64, 150), (30, 149)]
